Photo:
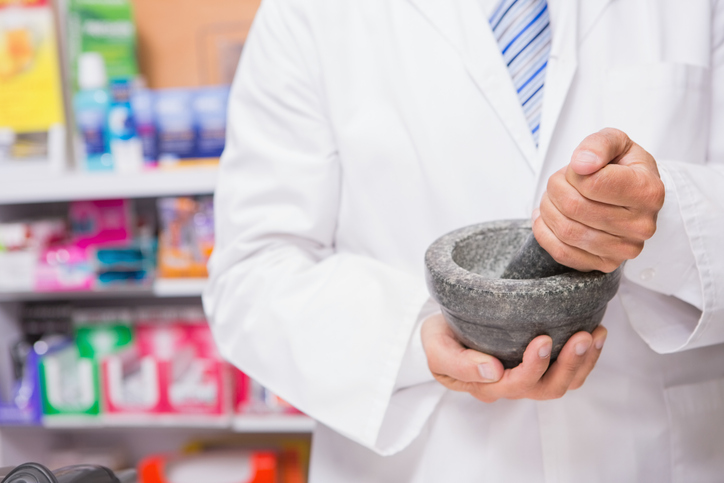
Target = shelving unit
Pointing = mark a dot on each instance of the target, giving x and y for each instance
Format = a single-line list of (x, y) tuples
[(71, 186), (248, 423), (161, 288), (21, 196)]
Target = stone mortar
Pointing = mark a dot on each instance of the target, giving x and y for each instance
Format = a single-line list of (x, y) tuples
[(501, 316)]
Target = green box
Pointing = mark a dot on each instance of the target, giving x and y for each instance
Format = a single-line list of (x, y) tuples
[(106, 27), (70, 372)]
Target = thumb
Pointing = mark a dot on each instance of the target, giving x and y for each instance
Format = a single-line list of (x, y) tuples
[(487, 368), (598, 150)]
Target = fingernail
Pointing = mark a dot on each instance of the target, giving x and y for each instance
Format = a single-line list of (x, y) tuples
[(486, 371), (599, 343), (586, 157), (535, 215), (582, 347), (544, 351)]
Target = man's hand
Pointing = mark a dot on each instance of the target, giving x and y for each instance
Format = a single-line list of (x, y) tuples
[(483, 376), (598, 211)]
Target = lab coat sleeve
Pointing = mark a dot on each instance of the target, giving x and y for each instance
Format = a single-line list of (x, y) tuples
[(325, 330), (674, 293)]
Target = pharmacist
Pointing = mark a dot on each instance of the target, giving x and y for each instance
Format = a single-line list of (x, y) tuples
[(360, 131)]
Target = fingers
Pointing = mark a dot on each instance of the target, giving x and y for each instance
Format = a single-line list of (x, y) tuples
[(600, 216), (591, 240), (598, 150), (519, 381), (599, 338), (620, 185), (569, 255), (449, 361), (610, 168), (556, 382), (459, 369)]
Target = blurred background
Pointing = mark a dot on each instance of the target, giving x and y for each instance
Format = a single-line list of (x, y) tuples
[(112, 119)]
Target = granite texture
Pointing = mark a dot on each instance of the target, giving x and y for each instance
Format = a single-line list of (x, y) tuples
[(501, 316), (532, 261)]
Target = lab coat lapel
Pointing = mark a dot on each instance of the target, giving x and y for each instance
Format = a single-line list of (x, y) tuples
[(464, 25), (572, 21)]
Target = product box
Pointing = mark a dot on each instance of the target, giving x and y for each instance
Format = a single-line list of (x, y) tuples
[(32, 123), (69, 371), (123, 266), (23, 407), (190, 123), (105, 27), (101, 222), (250, 397), (21, 245), (228, 466), (172, 370), (200, 47), (186, 238), (62, 268)]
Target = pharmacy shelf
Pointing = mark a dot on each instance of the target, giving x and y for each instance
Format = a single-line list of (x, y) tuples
[(277, 423), (162, 288), (250, 423), (179, 287), (86, 186)]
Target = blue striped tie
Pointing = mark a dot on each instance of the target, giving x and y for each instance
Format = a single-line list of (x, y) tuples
[(523, 32)]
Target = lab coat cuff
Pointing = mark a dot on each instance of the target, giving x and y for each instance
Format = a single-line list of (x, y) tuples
[(667, 264), (671, 294), (414, 369)]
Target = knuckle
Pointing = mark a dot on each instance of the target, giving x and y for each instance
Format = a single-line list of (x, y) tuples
[(599, 182), (655, 194), (555, 182), (483, 395), (569, 233), (633, 250), (597, 142), (615, 137), (608, 266), (434, 360), (559, 254), (570, 206), (648, 228), (555, 392)]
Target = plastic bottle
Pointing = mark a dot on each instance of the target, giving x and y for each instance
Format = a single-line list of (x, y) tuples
[(124, 141), (142, 104), (91, 105)]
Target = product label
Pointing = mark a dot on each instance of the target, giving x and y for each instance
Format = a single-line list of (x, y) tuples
[(90, 124)]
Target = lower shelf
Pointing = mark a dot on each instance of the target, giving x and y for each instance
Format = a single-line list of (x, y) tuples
[(273, 424), (256, 423), (181, 287)]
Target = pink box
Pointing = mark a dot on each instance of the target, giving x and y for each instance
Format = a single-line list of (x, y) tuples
[(101, 222), (172, 369), (63, 268)]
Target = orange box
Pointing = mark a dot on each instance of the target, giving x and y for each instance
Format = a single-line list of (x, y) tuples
[(191, 43)]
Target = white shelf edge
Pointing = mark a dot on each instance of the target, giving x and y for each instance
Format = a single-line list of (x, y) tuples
[(273, 423), (71, 186), (248, 423), (180, 287), (163, 288)]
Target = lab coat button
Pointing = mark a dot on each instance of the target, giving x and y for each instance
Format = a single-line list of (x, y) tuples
[(647, 274)]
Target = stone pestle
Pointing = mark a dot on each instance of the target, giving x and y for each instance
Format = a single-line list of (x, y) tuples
[(532, 262)]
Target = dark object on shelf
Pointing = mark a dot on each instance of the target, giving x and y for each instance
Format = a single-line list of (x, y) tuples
[(37, 473), (501, 316), (532, 261)]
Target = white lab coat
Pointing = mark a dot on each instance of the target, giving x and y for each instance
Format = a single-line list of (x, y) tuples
[(360, 131)]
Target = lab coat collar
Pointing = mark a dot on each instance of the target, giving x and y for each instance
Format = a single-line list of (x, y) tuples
[(459, 22)]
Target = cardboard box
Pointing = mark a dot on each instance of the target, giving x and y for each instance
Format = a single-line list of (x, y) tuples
[(191, 43)]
